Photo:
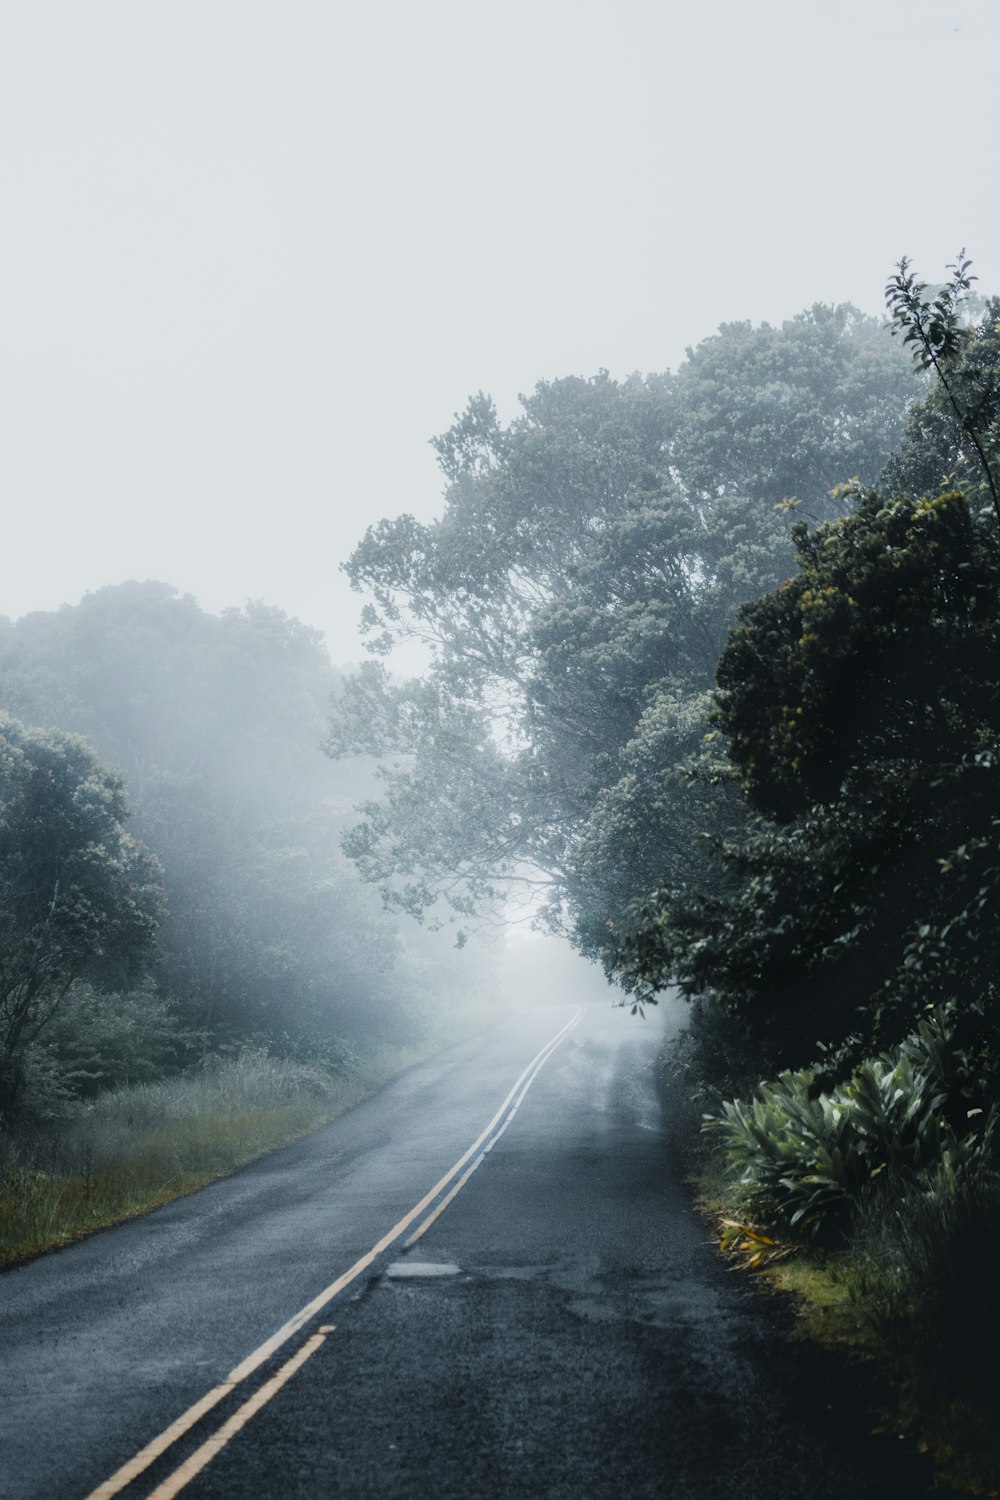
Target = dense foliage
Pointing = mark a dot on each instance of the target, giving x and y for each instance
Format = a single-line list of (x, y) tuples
[(860, 708), (857, 709), (911, 1118)]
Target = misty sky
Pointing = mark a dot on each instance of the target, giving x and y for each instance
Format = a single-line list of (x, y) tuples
[(256, 254)]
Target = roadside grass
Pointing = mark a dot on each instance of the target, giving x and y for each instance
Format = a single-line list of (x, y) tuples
[(953, 1419), (134, 1148), (912, 1296)]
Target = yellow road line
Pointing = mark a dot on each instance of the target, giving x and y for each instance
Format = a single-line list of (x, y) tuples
[(160, 1443), (436, 1212), (188, 1419), (183, 1475)]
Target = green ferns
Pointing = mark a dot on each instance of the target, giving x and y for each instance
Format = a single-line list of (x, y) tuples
[(805, 1158)]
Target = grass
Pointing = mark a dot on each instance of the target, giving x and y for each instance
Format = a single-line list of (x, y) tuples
[(914, 1292), (953, 1421), (133, 1149)]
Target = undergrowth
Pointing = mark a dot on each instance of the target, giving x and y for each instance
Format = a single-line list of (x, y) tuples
[(915, 1293), (876, 1204)]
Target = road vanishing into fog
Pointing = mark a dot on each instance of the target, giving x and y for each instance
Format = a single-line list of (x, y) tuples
[(560, 1325)]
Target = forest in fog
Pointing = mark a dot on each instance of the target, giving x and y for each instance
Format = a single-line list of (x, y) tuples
[(711, 690), (258, 927), (574, 599)]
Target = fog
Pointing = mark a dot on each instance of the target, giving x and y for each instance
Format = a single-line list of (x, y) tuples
[(258, 258), (257, 255), (535, 968)]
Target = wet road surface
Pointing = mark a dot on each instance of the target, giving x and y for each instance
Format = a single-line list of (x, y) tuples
[(560, 1328)]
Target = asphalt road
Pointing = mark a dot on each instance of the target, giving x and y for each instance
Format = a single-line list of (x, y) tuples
[(560, 1328)]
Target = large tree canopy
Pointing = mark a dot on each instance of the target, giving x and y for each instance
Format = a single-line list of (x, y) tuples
[(575, 596), (771, 414)]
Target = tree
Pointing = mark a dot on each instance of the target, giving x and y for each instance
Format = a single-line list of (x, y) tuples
[(78, 896), (657, 826), (965, 358), (216, 724), (769, 414), (581, 580), (860, 704)]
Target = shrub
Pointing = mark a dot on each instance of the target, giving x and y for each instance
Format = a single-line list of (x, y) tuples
[(805, 1158)]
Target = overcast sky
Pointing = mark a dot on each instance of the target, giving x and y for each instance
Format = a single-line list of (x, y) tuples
[(257, 252)]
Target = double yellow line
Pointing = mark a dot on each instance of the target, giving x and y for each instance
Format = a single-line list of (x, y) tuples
[(433, 1200)]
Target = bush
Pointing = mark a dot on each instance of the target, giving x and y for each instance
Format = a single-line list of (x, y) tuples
[(716, 1056), (805, 1158), (98, 1041)]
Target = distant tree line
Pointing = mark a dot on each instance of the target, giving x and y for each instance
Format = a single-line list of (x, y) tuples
[(194, 896)]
